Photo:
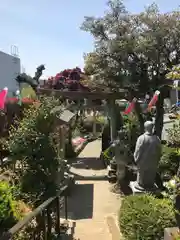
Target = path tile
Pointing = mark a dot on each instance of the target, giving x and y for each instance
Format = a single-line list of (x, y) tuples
[(93, 206)]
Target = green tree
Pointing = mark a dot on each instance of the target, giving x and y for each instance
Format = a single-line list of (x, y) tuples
[(34, 146), (134, 51), (174, 74)]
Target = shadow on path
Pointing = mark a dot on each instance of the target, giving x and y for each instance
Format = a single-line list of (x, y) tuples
[(90, 177), (88, 163), (80, 204)]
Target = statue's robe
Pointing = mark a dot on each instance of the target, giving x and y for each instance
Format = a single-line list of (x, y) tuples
[(147, 155)]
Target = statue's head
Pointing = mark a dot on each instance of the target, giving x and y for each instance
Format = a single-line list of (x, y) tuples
[(41, 67), (148, 126), (17, 92)]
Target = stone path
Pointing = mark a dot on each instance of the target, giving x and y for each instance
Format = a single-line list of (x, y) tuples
[(93, 206)]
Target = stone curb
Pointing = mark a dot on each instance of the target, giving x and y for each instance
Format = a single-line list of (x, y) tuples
[(169, 121)]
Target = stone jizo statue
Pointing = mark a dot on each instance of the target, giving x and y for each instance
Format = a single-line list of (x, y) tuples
[(147, 155)]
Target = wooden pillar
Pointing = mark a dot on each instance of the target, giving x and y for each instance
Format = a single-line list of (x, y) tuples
[(61, 154), (112, 116), (62, 141), (94, 122), (119, 157)]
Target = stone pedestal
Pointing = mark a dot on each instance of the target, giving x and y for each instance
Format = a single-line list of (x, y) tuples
[(112, 178), (121, 171), (135, 190)]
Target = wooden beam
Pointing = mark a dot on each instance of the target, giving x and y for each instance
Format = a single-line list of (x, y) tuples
[(89, 106), (82, 95), (85, 107)]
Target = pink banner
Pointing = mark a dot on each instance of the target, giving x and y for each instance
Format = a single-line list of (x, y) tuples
[(130, 107), (153, 100), (3, 95)]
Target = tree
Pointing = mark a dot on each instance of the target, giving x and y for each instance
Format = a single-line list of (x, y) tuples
[(134, 51), (35, 146), (174, 74)]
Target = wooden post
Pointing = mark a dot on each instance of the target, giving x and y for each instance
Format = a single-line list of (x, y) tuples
[(119, 157), (112, 115), (94, 122), (61, 154), (62, 142)]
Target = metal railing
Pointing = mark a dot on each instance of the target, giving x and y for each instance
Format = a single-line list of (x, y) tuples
[(43, 222)]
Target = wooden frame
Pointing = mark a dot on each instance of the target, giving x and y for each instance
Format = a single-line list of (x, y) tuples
[(83, 95)]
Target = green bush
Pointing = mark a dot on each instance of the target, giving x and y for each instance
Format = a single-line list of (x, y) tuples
[(173, 133), (143, 217), (8, 207), (35, 147), (169, 163), (132, 130)]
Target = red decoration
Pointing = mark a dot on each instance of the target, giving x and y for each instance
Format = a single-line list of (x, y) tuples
[(3, 95), (130, 107), (153, 100)]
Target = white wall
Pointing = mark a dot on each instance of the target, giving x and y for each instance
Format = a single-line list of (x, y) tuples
[(9, 68)]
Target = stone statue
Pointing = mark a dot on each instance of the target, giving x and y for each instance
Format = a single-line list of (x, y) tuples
[(147, 155), (33, 82), (38, 73)]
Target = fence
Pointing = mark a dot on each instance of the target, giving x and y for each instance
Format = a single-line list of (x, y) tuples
[(43, 222)]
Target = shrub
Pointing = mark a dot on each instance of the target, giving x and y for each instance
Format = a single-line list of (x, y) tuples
[(27, 91), (143, 217), (173, 133), (132, 130), (169, 163), (34, 145), (9, 213)]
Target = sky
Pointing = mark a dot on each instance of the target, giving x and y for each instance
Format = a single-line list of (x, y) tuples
[(48, 31)]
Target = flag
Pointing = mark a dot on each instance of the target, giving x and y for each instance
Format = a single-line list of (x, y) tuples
[(153, 100), (3, 95), (130, 106)]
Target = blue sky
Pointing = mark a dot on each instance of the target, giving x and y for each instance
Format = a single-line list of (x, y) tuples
[(47, 32)]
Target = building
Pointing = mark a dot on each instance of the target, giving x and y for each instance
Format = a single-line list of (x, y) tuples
[(10, 67)]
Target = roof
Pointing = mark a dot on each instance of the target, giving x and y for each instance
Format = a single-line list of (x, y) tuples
[(10, 55), (64, 116)]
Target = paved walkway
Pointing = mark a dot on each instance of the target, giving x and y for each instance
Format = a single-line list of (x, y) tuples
[(93, 206)]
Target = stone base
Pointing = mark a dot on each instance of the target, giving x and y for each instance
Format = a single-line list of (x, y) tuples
[(139, 190)]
